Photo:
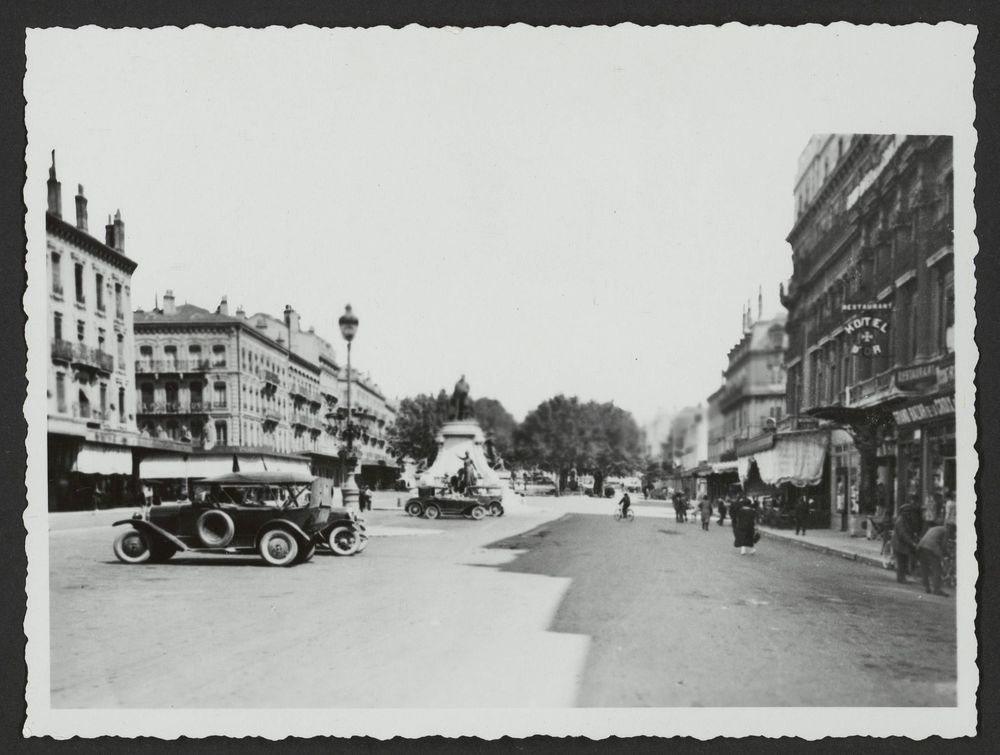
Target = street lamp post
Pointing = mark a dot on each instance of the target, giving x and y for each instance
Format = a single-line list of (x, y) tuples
[(348, 328)]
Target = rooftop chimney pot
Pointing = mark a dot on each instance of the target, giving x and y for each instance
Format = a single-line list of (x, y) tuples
[(168, 303), (223, 306), (81, 208), (55, 189)]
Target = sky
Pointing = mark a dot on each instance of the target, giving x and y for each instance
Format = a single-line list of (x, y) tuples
[(577, 211)]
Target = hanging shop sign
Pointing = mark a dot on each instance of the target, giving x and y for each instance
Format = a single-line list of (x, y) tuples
[(913, 375), (929, 410), (868, 326), (946, 374)]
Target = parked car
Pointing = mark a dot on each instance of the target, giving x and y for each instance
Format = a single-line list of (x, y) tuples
[(541, 486), (268, 513), (432, 502)]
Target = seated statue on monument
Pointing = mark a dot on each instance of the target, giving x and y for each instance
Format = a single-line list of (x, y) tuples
[(460, 406)]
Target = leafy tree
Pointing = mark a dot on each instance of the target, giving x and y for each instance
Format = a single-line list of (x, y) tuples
[(563, 433), (497, 423), (417, 424)]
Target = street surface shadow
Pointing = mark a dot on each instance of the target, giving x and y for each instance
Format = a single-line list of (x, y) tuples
[(663, 614)]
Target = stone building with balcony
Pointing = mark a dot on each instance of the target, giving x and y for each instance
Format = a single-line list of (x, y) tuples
[(751, 399), (870, 318), (91, 388), (254, 387)]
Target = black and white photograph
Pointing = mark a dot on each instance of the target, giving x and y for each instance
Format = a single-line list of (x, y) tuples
[(502, 381)]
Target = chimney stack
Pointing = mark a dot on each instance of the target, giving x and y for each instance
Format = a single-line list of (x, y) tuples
[(223, 308), (116, 233), (81, 208), (168, 303), (292, 322), (55, 189), (240, 312), (109, 233)]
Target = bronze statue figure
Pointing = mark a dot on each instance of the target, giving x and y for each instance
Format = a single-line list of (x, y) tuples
[(460, 408)]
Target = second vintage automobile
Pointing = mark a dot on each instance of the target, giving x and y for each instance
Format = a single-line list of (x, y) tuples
[(268, 513), (433, 502)]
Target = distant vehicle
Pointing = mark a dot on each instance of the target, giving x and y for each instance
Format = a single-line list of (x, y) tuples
[(268, 513), (633, 484), (433, 502), (540, 486)]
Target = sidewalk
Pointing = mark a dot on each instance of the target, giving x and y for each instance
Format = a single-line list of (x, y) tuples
[(834, 542)]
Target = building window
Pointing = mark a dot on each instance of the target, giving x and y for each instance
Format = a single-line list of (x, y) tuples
[(194, 356), (57, 326), (61, 392), (219, 395), (146, 398), (81, 331), (84, 405), (946, 313), (104, 400), (220, 433), (173, 430), (219, 356), (100, 339), (57, 287), (121, 405), (197, 430), (170, 357), (170, 394), (195, 390), (121, 350), (119, 310), (78, 280), (99, 291)]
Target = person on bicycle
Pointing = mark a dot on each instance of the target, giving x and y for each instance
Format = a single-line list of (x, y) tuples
[(624, 504)]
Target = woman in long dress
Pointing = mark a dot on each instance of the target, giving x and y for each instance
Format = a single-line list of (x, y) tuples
[(744, 518)]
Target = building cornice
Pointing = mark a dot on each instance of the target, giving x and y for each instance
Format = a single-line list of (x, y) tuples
[(69, 232)]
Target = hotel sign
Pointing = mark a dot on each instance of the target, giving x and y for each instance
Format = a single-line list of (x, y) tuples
[(929, 410), (868, 325)]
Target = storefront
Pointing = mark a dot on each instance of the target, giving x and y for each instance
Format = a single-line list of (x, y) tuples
[(783, 468), (926, 454), (88, 475)]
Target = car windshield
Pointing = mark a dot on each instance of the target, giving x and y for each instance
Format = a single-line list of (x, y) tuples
[(275, 496)]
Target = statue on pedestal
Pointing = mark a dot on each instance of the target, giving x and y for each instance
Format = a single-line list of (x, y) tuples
[(460, 407)]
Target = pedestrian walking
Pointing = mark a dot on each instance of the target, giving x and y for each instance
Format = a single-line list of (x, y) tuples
[(930, 550), (705, 507), (723, 507), (677, 507), (365, 499), (904, 539), (744, 518), (802, 514)]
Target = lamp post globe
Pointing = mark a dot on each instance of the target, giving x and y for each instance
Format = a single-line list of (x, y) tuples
[(348, 323)]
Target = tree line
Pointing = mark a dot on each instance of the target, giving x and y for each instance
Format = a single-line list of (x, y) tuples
[(560, 435)]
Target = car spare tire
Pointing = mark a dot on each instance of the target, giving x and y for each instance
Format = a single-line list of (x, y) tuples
[(215, 529)]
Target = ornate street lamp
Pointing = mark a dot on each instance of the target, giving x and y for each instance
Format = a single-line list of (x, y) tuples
[(348, 329)]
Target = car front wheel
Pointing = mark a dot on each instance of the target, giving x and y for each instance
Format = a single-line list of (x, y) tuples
[(432, 512), (132, 547), (279, 548), (478, 513), (343, 540), (496, 509)]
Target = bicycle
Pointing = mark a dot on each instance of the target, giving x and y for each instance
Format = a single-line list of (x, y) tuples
[(629, 515), (887, 554)]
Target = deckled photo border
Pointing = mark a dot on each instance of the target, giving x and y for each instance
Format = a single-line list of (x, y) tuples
[(954, 116)]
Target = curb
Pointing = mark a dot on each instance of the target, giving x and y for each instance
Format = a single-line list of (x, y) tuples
[(830, 550)]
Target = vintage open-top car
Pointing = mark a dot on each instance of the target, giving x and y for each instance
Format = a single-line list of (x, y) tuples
[(270, 513), (432, 502)]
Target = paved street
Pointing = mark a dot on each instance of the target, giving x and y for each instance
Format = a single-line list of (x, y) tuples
[(552, 605)]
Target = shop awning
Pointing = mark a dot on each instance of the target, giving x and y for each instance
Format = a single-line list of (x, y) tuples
[(262, 463), (183, 466), (796, 458), (722, 467), (94, 459)]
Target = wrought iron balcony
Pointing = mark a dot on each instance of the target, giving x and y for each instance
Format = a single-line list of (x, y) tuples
[(95, 359), (151, 366), (62, 350)]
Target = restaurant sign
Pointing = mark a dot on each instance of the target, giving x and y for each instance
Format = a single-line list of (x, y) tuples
[(868, 325), (929, 410), (912, 375)]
